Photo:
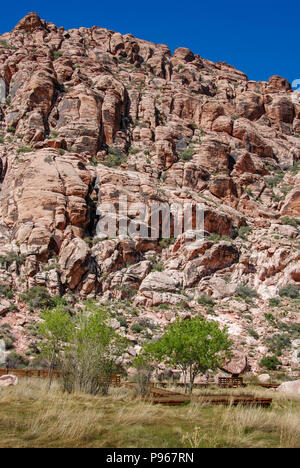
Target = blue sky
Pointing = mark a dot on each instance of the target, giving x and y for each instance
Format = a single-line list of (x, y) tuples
[(260, 38)]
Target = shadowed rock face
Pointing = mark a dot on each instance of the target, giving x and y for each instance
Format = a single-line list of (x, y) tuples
[(90, 115)]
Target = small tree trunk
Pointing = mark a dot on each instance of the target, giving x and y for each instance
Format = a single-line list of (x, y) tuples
[(51, 370), (191, 380), (185, 384)]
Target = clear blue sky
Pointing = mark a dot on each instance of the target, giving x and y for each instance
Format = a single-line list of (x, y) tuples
[(260, 38)]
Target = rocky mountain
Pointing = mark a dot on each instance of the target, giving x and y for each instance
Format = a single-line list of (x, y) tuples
[(90, 115)]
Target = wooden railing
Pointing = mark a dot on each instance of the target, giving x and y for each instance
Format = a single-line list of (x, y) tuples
[(44, 374), (231, 382)]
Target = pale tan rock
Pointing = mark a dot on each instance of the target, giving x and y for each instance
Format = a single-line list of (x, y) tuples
[(290, 387), (264, 378), (8, 380)]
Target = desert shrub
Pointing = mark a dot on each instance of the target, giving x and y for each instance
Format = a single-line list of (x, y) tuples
[(144, 368), (11, 258), (290, 290), (126, 291), (275, 180), (187, 154), (217, 238), (253, 333), (7, 337), (163, 306), (270, 362), (136, 327), (114, 158), (157, 266), (133, 150), (57, 54), (122, 321), (39, 298), (6, 291), (274, 302), (206, 301), (278, 343), (243, 232), (270, 318), (24, 149), (295, 222), (245, 292)]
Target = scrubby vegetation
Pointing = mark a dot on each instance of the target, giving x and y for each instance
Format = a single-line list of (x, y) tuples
[(245, 292), (290, 291), (270, 362), (38, 298), (33, 416)]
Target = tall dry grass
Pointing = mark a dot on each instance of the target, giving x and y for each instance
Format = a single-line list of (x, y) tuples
[(32, 416)]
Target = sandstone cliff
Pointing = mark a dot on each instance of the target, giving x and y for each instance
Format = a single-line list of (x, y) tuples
[(90, 115)]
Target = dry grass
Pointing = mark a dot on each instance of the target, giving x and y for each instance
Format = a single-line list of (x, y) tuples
[(32, 416)]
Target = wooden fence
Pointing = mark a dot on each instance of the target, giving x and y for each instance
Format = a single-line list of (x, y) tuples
[(44, 374), (231, 382)]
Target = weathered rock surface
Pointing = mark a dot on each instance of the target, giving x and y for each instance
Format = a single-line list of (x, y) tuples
[(290, 387), (91, 115), (8, 380)]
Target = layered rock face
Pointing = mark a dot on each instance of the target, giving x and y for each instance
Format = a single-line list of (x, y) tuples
[(90, 116)]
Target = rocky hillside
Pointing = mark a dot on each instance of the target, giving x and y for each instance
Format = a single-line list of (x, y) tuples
[(88, 115)]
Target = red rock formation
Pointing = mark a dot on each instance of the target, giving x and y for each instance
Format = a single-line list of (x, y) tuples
[(90, 115)]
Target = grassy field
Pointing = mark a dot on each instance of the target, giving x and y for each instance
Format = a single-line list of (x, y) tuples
[(32, 416)]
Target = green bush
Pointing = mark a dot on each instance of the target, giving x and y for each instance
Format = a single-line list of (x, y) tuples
[(270, 362), (133, 150), (245, 292), (290, 290), (6, 291), (206, 301), (187, 154), (136, 327), (39, 298), (253, 333), (217, 238), (274, 302), (243, 232), (12, 257), (270, 318), (24, 149), (279, 342), (122, 321), (114, 158), (57, 54), (158, 266), (295, 222), (6, 336)]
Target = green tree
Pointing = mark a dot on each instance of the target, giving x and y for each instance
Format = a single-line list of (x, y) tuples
[(144, 366), (56, 330), (194, 346), (85, 348)]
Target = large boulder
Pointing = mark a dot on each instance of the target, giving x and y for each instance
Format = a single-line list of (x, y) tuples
[(236, 365), (290, 387), (264, 378), (74, 262), (8, 380)]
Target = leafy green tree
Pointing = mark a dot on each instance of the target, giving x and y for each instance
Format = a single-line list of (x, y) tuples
[(144, 367), (83, 347), (194, 346), (57, 330)]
